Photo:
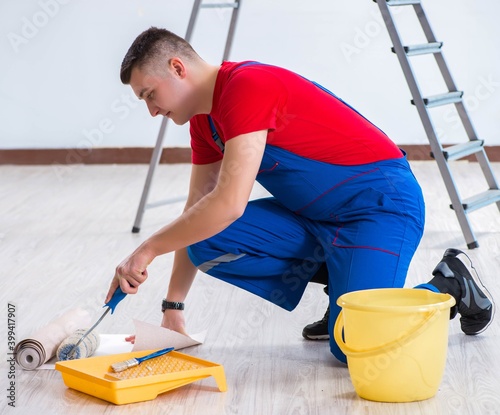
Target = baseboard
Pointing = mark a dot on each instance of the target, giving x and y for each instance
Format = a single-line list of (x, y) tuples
[(127, 155), (142, 155)]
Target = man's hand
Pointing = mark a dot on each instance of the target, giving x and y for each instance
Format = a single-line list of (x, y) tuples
[(174, 320), (131, 273)]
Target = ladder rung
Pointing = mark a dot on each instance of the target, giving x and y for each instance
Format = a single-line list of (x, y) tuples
[(442, 99), (219, 5), (480, 200), (413, 50), (401, 2), (460, 151)]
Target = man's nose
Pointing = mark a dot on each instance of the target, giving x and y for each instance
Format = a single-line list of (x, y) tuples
[(153, 109)]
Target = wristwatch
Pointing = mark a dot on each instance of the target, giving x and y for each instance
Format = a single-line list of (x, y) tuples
[(171, 305)]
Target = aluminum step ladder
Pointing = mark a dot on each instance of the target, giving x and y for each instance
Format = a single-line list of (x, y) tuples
[(155, 157), (442, 155)]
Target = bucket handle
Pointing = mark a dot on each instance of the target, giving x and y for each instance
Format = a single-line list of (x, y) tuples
[(405, 338)]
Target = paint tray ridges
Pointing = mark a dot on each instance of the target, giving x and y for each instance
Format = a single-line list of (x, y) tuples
[(157, 366)]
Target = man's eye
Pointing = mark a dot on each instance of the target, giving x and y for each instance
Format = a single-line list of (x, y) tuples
[(150, 95)]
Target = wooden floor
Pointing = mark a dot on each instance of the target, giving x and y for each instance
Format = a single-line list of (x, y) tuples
[(64, 229)]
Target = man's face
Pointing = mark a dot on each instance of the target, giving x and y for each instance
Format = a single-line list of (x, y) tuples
[(168, 94)]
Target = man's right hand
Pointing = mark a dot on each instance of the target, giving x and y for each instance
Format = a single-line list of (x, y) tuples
[(174, 320)]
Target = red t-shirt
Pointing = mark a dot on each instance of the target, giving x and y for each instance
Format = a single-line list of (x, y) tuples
[(300, 117)]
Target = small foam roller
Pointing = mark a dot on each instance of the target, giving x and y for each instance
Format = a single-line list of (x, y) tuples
[(85, 349)]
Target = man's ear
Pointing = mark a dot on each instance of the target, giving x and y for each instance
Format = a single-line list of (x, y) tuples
[(177, 67)]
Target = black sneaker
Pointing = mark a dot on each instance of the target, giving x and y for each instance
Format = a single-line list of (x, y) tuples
[(317, 330), (474, 302)]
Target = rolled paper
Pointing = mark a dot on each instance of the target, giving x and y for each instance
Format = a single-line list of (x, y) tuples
[(36, 350), (85, 349)]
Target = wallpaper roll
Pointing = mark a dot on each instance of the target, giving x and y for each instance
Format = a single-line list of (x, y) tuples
[(42, 345)]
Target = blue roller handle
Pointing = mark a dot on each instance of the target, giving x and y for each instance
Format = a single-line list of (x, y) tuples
[(118, 295)]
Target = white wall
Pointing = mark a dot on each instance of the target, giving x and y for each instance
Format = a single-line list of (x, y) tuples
[(60, 59)]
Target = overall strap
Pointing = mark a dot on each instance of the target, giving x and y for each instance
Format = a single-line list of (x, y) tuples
[(215, 135)]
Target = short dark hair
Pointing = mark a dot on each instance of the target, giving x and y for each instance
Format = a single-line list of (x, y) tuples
[(154, 45)]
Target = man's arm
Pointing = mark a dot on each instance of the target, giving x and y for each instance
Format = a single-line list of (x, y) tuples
[(211, 214), (203, 181)]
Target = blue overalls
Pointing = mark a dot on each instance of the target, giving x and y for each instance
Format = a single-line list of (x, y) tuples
[(364, 221)]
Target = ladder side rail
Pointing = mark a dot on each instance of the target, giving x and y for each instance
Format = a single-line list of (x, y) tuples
[(192, 20), (410, 79), (443, 67), (155, 157), (481, 156), (232, 28), (431, 38), (484, 163), (436, 147), (466, 121), (153, 163)]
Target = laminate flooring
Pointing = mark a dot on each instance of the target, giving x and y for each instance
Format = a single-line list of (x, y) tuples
[(63, 230)]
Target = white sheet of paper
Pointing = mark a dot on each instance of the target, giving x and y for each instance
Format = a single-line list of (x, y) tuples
[(151, 336)]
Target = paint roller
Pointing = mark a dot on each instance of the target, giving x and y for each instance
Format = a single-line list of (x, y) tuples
[(85, 348)]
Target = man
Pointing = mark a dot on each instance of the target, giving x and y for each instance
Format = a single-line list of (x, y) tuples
[(345, 202)]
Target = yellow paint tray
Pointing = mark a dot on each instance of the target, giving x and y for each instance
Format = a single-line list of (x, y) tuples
[(144, 382)]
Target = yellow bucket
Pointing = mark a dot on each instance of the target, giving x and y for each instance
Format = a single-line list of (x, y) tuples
[(395, 340)]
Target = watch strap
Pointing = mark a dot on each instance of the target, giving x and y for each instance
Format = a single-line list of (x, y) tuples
[(171, 305)]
